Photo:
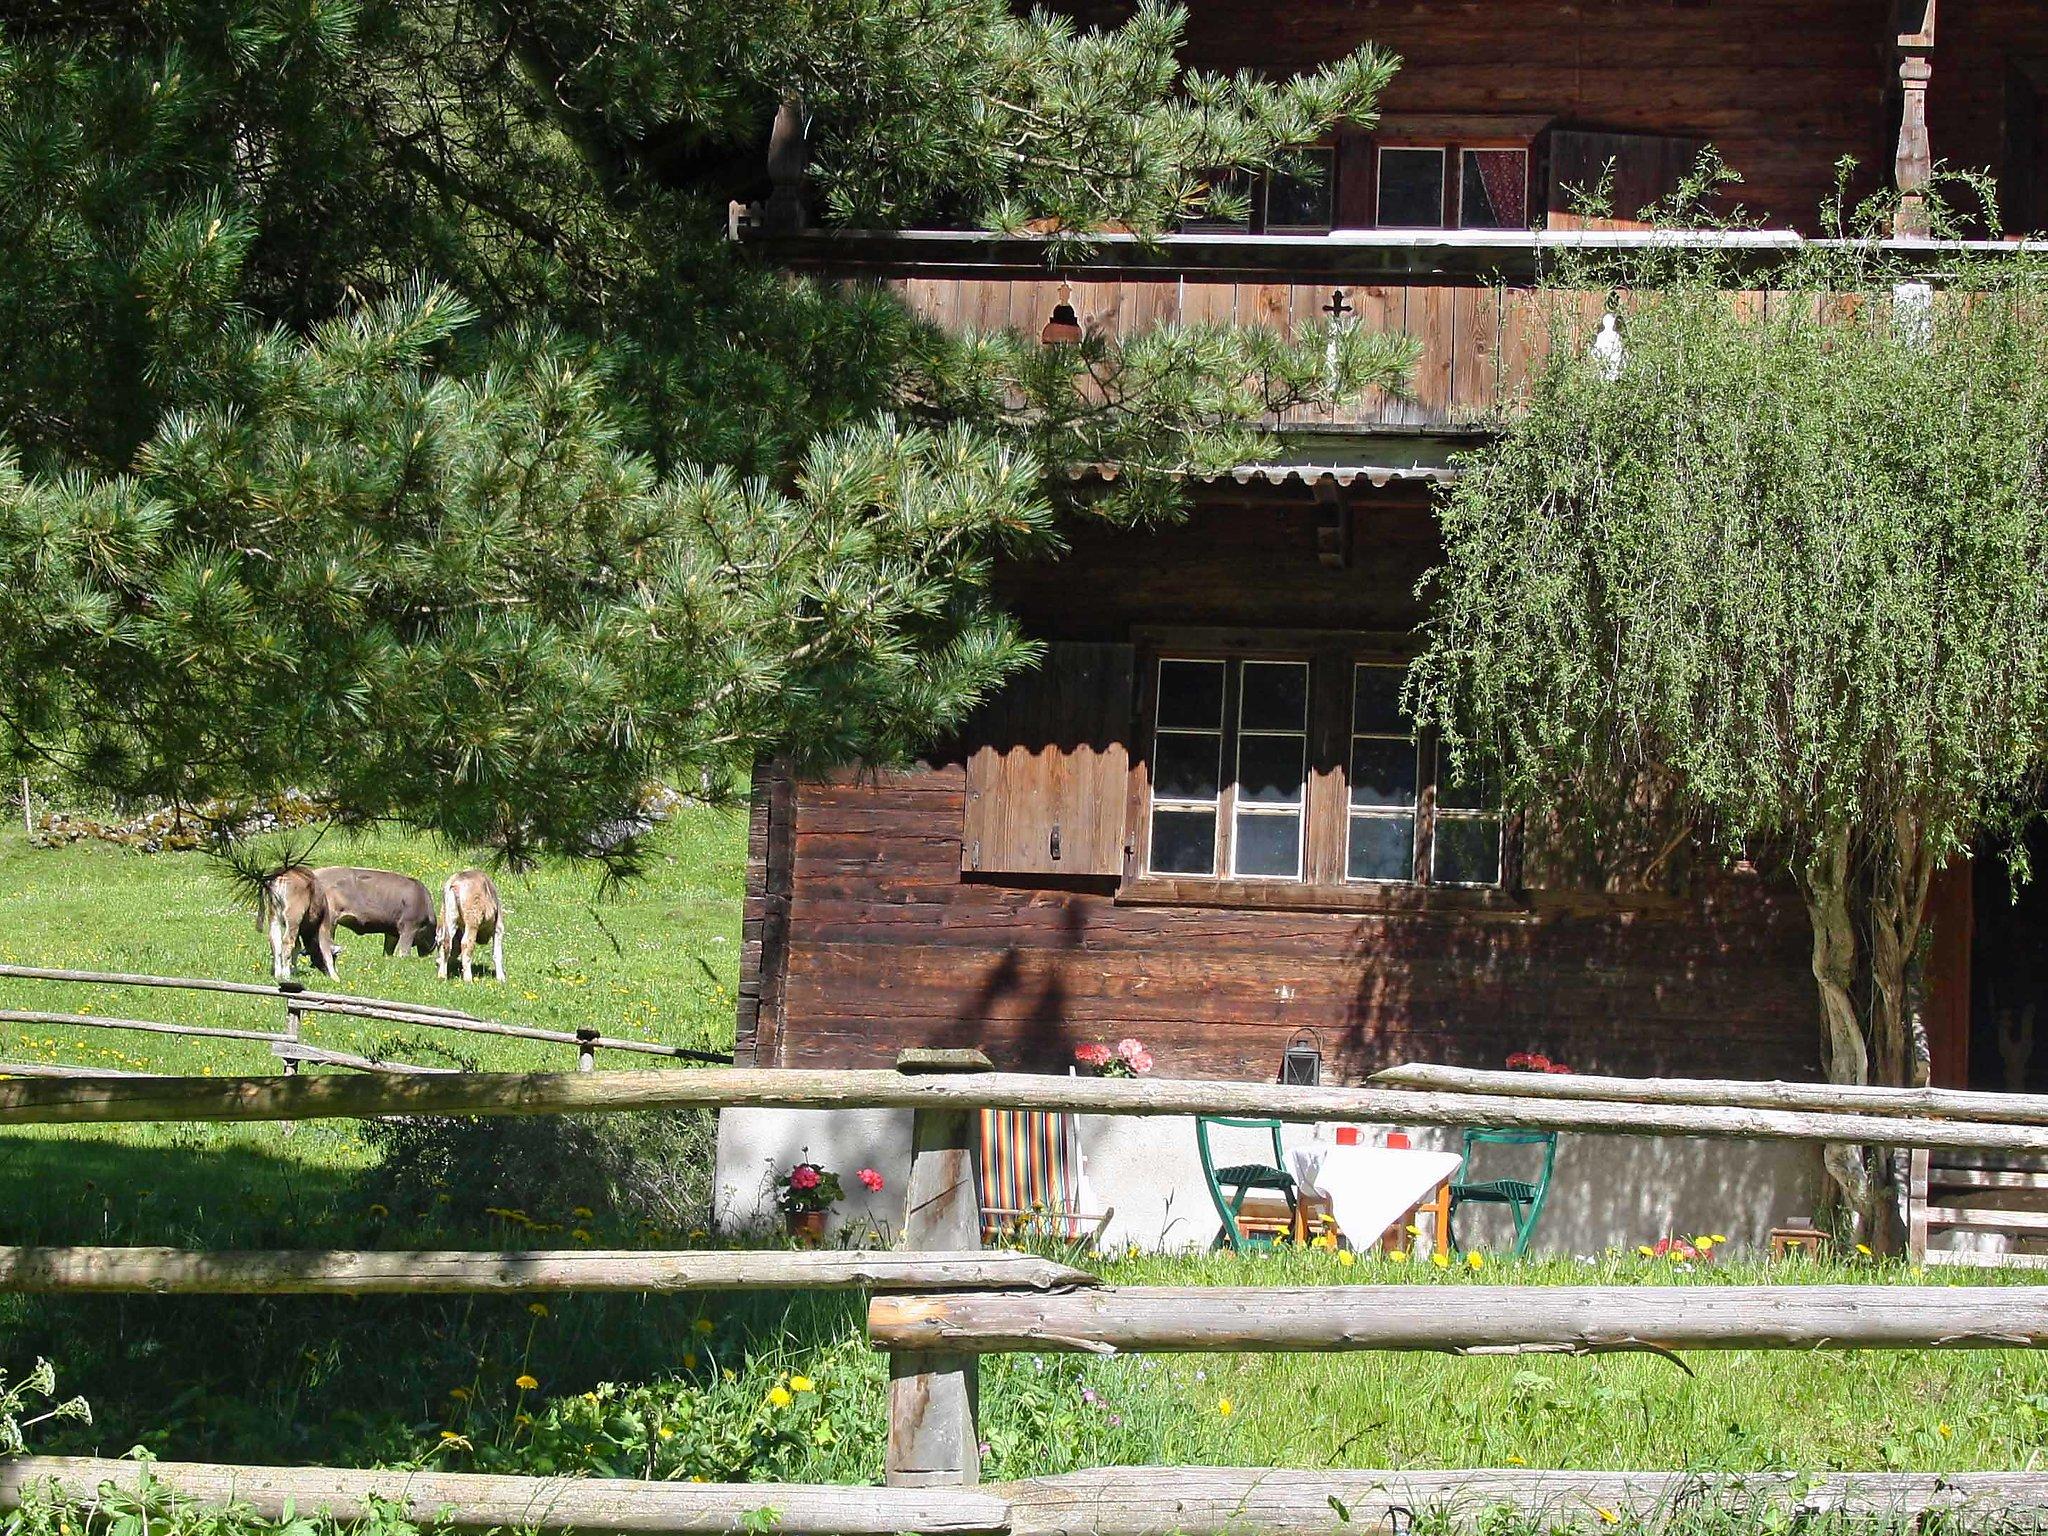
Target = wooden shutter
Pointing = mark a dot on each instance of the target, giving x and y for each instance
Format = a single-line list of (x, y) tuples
[(1647, 168), (1047, 768)]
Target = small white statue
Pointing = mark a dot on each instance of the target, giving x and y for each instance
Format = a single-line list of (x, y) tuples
[(1608, 352)]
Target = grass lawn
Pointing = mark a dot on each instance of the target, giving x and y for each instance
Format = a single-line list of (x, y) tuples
[(681, 1387)]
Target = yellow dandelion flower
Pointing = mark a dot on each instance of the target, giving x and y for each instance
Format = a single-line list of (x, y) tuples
[(1944, 1431), (525, 1382), (537, 1308), (1398, 1255), (689, 1362), (704, 1325), (460, 1394), (778, 1397), (380, 1210), (696, 1477), (1516, 1461), (1475, 1260), (1225, 1407), (1864, 1249), (1346, 1258), (1440, 1260), (454, 1442), (1607, 1516), (1647, 1251), (1720, 1237), (729, 1374), (1412, 1230), (802, 1384), (666, 1433), (583, 1213), (581, 1234)]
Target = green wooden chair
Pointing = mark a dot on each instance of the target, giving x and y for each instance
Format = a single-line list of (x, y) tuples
[(1523, 1199), (1229, 1184)]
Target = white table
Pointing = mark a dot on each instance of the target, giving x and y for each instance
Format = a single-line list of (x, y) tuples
[(1369, 1188)]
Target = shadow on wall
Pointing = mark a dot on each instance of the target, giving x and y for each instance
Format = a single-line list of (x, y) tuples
[(1606, 1192)]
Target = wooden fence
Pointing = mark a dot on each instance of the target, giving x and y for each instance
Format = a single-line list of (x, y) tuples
[(286, 1043), (940, 1303)]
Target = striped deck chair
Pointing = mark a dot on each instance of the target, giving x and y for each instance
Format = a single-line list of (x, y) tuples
[(1032, 1179)]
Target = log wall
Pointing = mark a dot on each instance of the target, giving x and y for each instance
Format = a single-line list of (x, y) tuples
[(1782, 90), (887, 944)]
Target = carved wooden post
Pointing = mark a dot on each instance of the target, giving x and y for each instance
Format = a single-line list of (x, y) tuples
[(1913, 165), (784, 211), (933, 1437), (586, 1050)]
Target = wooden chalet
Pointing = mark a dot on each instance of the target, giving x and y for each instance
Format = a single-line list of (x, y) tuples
[(1204, 821)]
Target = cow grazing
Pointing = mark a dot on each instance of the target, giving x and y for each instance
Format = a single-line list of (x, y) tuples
[(305, 906), (470, 911), (293, 911)]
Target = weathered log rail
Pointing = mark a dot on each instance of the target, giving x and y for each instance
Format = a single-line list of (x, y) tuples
[(1109, 1501), (937, 1305), (298, 1002), (441, 1271), (1490, 1319), (81, 1101)]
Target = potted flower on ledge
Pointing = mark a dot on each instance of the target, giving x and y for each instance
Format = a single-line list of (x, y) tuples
[(807, 1194)]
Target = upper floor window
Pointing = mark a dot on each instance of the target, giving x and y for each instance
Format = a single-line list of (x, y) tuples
[(1303, 770), (1279, 203), (1439, 186)]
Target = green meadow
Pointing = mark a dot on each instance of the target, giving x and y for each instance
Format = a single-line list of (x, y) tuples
[(761, 1387)]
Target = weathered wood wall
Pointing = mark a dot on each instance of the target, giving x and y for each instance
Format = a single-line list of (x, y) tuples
[(1782, 90), (889, 946)]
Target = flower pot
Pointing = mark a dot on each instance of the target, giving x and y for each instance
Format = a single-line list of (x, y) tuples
[(807, 1227)]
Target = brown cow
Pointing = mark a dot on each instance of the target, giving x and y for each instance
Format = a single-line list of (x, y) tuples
[(305, 906), (470, 911)]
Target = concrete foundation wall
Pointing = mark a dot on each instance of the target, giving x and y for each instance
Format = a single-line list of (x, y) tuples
[(1606, 1192)]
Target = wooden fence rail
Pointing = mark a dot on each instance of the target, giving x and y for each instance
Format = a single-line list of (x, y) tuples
[(1110, 1501), (298, 1002), (440, 1271), (1468, 1319), (90, 1101), (1833, 1098)]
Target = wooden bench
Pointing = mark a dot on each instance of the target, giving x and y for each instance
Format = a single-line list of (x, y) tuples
[(1935, 1181)]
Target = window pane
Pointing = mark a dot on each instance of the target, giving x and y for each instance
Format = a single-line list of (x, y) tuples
[(1382, 772), (1269, 845), (1234, 186), (1298, 202), (1191, 694), (1467, 791), (1411, 188), (1184, 842), (1269, 769), (1274, 696), (1466, 850), (1376, 701), (1493, 189), (1382, 848), (1186, 767)]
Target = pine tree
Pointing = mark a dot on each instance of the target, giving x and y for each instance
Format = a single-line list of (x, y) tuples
[(386, 414)]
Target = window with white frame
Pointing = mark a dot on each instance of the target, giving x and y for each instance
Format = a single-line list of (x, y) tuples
[(1269, 770)]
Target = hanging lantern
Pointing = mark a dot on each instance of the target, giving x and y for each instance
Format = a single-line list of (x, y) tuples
[(1065, 325)]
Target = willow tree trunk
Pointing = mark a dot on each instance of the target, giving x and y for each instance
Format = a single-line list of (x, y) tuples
[(1868, 905)]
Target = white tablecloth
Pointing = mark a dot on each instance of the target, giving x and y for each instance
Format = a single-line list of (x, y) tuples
[(1369, 1188)]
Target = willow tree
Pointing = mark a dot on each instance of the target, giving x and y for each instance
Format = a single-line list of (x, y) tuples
[(1787, 559)]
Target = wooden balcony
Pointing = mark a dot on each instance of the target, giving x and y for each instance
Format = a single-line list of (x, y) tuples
[(1478, 342)]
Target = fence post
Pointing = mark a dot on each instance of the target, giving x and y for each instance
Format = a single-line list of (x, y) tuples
[(586, 1050), (933, 1437)]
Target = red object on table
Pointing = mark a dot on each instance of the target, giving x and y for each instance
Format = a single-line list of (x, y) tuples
[(1347, 1135), (1397, 1138)]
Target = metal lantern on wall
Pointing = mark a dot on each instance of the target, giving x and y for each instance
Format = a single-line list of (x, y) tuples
[(1301, 1064), (1065, 325)]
